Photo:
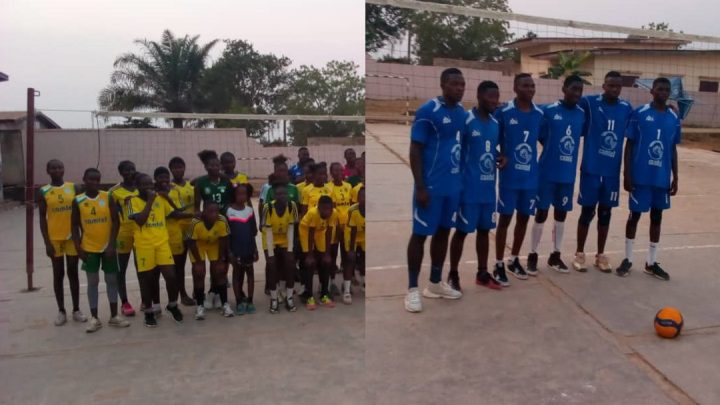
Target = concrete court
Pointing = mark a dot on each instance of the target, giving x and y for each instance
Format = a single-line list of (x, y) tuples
[(251, 359), (567, 339)]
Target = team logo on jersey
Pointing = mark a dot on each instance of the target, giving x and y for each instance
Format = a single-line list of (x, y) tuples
[(557, 117), (101, 203), (455, 155), (567, 147), (475, 132), (608, 143), (222, 189), (649, 118), (207, 190), (447, 120), (67, 190), (656, 151), (513, 121), (487, 166), (523, 154)]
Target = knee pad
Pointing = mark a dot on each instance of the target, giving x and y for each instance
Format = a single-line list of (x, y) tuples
[(604, 216), (655, 216), (586, 215)]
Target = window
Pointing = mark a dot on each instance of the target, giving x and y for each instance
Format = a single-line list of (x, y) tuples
[(628, 80), (709, 86)]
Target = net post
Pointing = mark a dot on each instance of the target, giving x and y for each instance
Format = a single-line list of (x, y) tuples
[(30, 188)]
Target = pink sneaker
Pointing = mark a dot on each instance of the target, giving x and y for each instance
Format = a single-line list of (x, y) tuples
[(127, 309)]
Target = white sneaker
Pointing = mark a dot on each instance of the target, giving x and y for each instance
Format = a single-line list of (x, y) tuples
[(227, 311), (61, 319), (281, 295), (94, 325), (200, 313), (79, 316), (412, 300), (579, 262), (118, 322), (441, 290), (209, 300), (216, 301), (347, 298)]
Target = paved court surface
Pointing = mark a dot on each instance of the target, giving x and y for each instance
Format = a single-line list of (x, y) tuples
[(574, 338), (253, 359)]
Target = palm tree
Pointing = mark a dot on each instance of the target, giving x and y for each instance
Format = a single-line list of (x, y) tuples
[(569, 63), (164, 76)]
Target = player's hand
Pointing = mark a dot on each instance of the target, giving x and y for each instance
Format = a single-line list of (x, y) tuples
[(674, 187), (422, 197), (110, 251), (501, 161), (673, 107), (49, 250), (627, 184), (82, 255)]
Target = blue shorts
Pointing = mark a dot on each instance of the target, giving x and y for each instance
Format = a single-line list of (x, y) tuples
[(601, 190), (440, 213), (558, 194), (473, 216), (642, 198), (521, 200)]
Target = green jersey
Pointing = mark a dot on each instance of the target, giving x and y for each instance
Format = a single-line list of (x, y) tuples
[(218, 192), (293, 194)]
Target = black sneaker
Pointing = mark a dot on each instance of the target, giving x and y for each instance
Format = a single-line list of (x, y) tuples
[(274, 306), (500, 276), (517, 270), (150, 321), (532, 262), (290, 304), (624, 269), (555, 262), (454, 281), (483, 278), (656, 271), (175, 312)]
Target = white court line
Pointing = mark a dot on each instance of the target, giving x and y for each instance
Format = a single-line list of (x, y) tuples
[(402, 266)]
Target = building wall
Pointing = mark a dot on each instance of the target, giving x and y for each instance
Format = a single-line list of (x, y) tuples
[(149, 148)]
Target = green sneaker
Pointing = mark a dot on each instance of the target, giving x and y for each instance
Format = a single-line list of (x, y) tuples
[(250, 309), (241, 308)]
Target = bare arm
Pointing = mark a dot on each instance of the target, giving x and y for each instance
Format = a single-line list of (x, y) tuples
[(627, 162), (42, 206), (416, 166), (141, 217), (115, 228), (192, 246), (75, 228), (674, 185)]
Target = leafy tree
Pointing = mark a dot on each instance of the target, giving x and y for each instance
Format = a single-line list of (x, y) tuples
[(439, 35), (569, 63), (163, 76), (335, 89), (134, 123), (383, 24), (245, 81), (660, 26)]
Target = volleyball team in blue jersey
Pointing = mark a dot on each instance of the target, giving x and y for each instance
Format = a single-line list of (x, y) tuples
[(474, 170)]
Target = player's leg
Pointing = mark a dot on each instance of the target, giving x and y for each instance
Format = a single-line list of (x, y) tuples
[(639, 202), (324, 268), (72, 262), (288, 265), (349, 264), (526, 201), (334, 269), (58, 267), (660, 202), (198, 274), (562, 203), (180, 260), (92, 269), (124, 248), (249, 272), (110, 268), (425, 223), (466, 220), (500, 243), (438, 250), (609, 198), (146, 279), (546, 192), (220, 278), (587, 199), (308, 296), (272, 269)]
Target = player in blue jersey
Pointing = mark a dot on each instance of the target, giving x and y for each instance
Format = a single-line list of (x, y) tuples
[(520, 122), (606, 118), (435, 163), (650, 160), (480, 161), (560, 137)]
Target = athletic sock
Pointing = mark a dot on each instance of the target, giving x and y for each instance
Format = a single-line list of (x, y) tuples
[(558, 232), (346, 286), (435, 274), (289, 293), (652, 253), (629, 249), (281, 285), (156, 307), (223, 294), (273, 294), (535, 236)]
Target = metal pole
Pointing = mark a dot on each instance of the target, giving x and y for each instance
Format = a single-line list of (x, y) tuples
[(29, 187), (284, 132)]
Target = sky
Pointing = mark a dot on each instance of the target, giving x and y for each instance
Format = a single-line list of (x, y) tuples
[(65, 49)]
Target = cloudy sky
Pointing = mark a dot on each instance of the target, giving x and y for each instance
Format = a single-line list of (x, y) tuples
[(66, 49)]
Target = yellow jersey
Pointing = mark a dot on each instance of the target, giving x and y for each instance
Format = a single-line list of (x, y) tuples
[(184, 199), (119, 194), (205, 236), (312, 219), (356, 220), (95, 221), (279, 224), (355, 191), (311, 194), (341, 196), (58, 200), (301, 186), (154, 232), (240, 178)]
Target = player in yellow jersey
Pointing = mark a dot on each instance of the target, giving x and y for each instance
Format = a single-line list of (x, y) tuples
[(120, 195), (355, 246), (340, 192), (311, 193), (360, 165), (307, 176), (55, 204), (207, 240), (94, 229), (182, 194), (151, 247), (279, 219), (228, 162), (316, 230)]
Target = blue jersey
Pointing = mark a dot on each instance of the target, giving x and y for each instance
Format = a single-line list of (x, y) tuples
[(439, 128), (560, 137), (605, 126), (519, 132), (654, 135), (479, 151)]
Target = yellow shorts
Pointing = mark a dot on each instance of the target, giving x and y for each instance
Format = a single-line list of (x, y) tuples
[(149, 257), (176, 241), (125, 240), (64, 248), (358, 244), (207, 252), (319, 240)]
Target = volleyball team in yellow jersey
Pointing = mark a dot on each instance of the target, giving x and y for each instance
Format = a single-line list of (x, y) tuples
[(304, 223)]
